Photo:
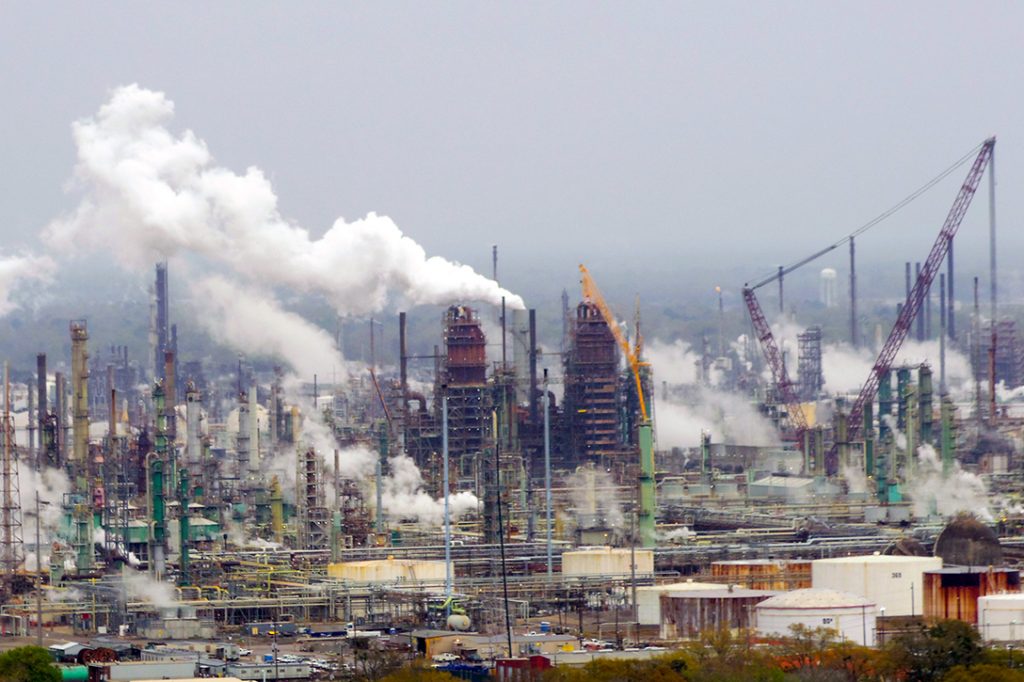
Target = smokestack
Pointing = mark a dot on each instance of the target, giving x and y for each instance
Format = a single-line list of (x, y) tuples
[(111, 410), (171, 396), (242, 439), (403, 367), (942, 333), (161, 321), (41, 407), (782, 307), (80, 389), (60, 406), (193, 404), (533, 366), (950, 319), (254, 432), (32, 423), (920, 312), (853, 296)]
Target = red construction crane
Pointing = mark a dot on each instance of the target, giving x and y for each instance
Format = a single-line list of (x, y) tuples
[(773, 356), (915, 298)]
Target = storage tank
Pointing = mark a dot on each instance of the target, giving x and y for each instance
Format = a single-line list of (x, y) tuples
[(389, 570), (689, 613), (606, 561), (953, 593), (764, 574), (648, 598), (851, 616), (966, 541), (895, 583), (1001, 617)]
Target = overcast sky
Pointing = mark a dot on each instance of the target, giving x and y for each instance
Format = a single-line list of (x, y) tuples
[(679, 134)]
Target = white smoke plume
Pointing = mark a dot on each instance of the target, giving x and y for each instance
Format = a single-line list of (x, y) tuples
[(405, 499), (52, 485), (140, 586), (595, 498), (150, 194), (681, 534), (403, 495), (673, 362), (856, 479), (15, 271), (729, 417), (846, 368), (255, 323), (935, 491)]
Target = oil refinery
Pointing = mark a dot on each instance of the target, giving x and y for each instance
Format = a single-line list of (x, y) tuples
[(489, 500)]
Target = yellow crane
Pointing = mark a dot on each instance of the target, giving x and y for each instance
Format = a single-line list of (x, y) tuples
[(645, 434), (632, 354)]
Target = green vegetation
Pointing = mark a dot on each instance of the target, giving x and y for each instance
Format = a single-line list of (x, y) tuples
[(28, 664), (948, 651)]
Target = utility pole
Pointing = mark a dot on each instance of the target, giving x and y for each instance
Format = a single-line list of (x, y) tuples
[(39, 581), (547, 472)]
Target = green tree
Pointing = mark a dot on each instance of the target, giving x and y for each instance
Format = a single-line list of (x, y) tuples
[(928, 654), (28, 664), (984, 672)]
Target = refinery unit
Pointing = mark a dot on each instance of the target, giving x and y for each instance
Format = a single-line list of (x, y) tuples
[(497, 498)]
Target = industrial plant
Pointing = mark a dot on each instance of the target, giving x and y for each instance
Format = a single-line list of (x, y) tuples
[(491, 501)]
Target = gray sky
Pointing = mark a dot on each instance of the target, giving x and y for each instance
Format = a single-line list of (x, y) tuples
[(680, 135)]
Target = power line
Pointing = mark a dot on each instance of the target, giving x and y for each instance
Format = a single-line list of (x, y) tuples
[(874, 221)]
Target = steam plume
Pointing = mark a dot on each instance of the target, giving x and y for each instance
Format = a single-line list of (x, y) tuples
[(150, 194), (15, 271), (256, 324)]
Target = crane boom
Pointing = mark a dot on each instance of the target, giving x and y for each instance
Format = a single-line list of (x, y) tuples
[(774, 359), (647, 491), (924, 280), (593, 294)]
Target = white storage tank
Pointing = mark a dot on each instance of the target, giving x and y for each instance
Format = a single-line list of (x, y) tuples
[(648, 598), (1001, 617), (851, 616), (389, 570), (894, 583), (606, 561)]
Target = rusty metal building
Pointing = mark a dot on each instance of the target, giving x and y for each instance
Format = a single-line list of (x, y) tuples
[(688, 614), (764, 574), (463, 381), (952, 593), (593, 395)]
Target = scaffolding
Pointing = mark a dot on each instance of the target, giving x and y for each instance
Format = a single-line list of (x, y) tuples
[(594, 399), (314, 519), (12, 550), (809, 375), (463, 381)]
